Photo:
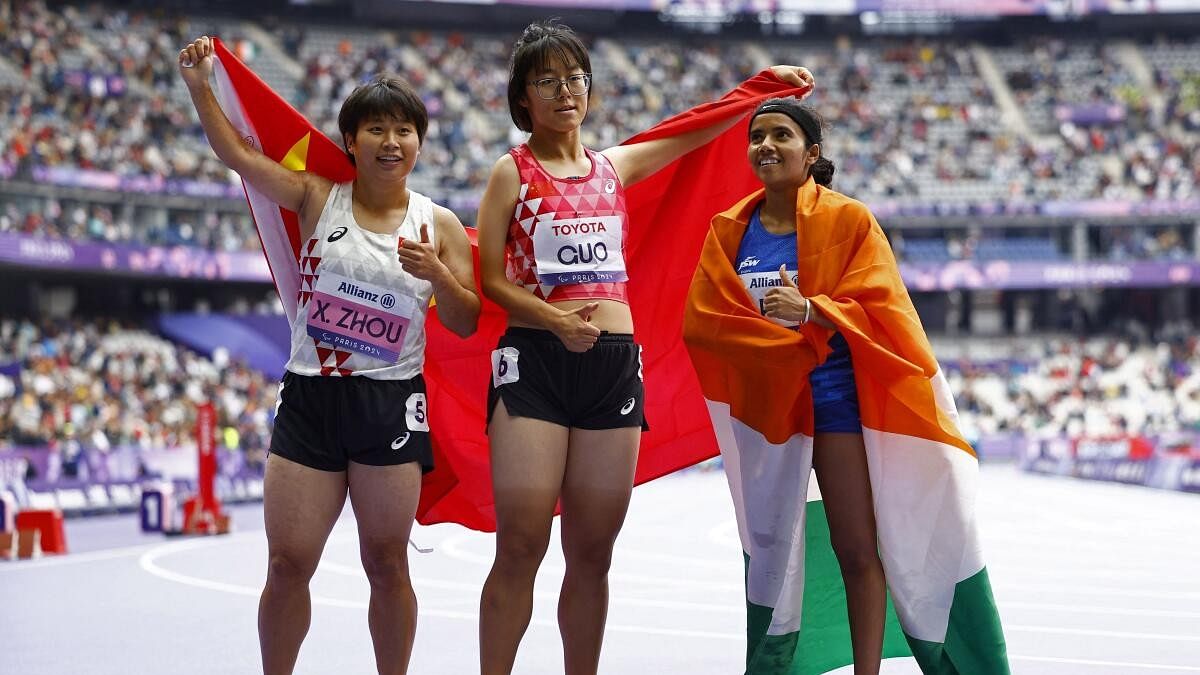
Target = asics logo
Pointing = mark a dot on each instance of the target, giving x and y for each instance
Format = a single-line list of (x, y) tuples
[(628, 407), (337, 234), (400, 440), (748, 262)]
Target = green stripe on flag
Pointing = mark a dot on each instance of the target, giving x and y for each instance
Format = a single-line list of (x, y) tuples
[(974, 640), (823, 642)]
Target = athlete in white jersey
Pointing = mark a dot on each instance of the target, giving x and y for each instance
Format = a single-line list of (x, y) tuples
[(361, 313), (352, 416)]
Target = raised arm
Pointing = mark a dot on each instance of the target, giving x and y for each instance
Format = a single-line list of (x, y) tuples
[(495, 211), (290, 189), (642, 160)]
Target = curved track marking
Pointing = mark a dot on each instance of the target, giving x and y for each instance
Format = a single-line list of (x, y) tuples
[(149, 563)]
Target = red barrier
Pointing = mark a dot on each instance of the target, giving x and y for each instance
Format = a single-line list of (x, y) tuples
[(202, 513), (49, 523)]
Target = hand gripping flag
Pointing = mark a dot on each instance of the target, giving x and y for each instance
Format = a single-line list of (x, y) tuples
[(923, 474), (669, 214)]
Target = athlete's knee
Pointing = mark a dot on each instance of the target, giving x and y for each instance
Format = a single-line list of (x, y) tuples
[(858, 558), (521, 550), (592, 557), (386, 566), (286, 567)]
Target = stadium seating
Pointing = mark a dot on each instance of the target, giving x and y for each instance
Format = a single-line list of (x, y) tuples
[(913, 120)]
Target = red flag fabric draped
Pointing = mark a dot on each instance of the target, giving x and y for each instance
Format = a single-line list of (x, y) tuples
[(670, 214), (669, 219), (267, 122)]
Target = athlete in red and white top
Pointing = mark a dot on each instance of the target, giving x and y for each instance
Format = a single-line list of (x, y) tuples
[(565, 403), (577, 224)]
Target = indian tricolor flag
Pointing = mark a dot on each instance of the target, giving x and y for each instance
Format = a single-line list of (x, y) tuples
[(754, 376)]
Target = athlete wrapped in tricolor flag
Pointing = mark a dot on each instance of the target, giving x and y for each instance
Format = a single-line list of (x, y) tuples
[(755, 377)]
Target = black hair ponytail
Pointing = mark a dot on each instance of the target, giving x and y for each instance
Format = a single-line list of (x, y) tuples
[(822, 172)]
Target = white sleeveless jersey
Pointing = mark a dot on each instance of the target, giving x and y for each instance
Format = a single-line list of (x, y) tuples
[(359, 313)]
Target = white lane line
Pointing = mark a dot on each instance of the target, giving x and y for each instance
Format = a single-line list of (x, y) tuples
[(714, 564), (1059, 543), (1101, 633), (737, 609), (355, 571), (1141, 577), (1100, 591), (1096, 609), (725, 534), (358, 573), (149, 563), (453, 547), (74, 558), (1115, 664)]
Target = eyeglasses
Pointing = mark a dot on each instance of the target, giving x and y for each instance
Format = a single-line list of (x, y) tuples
[(548, 87)]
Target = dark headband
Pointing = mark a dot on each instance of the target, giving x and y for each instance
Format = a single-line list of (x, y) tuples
[(806, 120)]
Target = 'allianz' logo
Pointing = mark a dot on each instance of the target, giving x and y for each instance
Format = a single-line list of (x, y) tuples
[(354, 290)]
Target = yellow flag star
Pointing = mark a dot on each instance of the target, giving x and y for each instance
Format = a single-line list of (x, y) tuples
[(296, 159)]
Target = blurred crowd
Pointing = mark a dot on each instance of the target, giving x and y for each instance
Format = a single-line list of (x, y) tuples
[(1094, 388), (98, 385), (94, 91), (912, 120), (106, 223)]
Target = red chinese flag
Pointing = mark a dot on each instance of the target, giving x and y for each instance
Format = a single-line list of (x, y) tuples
[(669, 213)]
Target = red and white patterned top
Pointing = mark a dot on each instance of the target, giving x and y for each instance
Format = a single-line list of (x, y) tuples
[(576, 207)]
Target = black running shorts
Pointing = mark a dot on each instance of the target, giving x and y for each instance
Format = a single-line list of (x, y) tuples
[(326, 422), (536, 376)]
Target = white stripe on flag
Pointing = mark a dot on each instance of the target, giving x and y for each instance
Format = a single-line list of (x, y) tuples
[(277, 247), (768, 483), (925, 514)]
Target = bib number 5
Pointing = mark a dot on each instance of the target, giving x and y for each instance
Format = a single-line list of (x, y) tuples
[(416, 414)]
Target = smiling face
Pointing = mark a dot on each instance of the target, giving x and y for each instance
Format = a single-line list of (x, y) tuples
[(382, 124), (387, 146), (779, 152)]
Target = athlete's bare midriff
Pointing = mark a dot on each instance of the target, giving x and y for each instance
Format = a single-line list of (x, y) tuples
[(611, 315)]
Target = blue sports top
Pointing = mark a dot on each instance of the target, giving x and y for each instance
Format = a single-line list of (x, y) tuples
[(758, 259)]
